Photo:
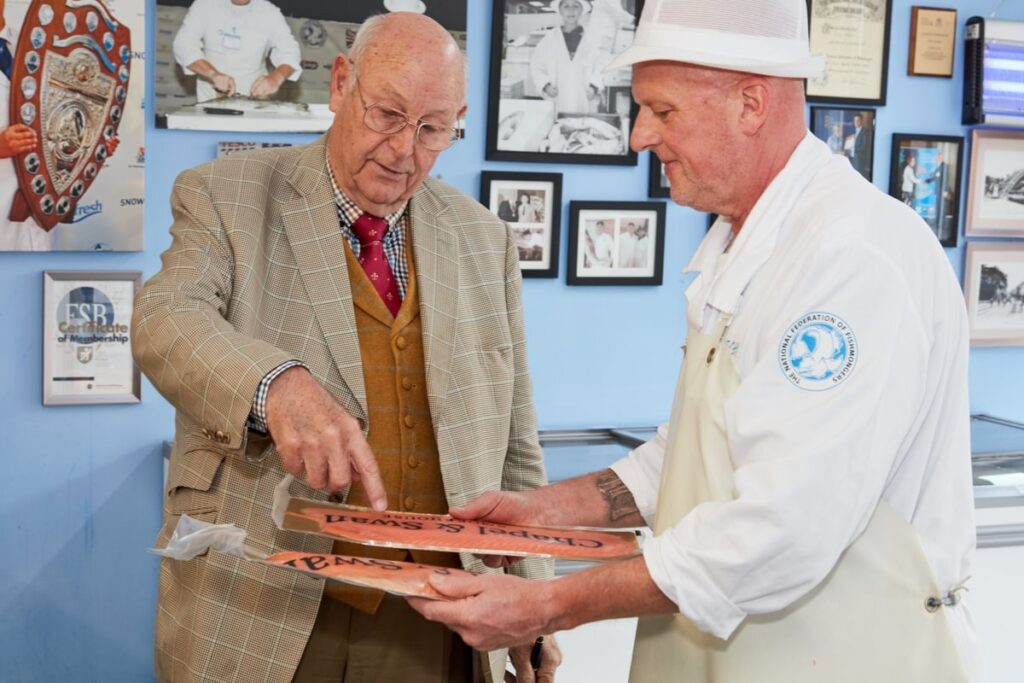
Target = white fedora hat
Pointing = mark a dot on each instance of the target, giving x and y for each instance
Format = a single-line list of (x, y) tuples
[(766, 37)]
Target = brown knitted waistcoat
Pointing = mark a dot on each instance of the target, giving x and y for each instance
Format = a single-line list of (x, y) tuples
[(401, 432)]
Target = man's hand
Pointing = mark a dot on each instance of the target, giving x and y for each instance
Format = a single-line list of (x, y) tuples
[(551, 90), (550, 659), (265, 86), (17, 139), (489, 611), (317, 439), (223, 83), (503, 507)]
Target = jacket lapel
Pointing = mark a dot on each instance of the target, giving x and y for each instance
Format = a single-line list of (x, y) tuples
[(311, 224), (435, 245)]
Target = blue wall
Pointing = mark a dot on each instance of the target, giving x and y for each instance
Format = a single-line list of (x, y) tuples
[(80, 500)]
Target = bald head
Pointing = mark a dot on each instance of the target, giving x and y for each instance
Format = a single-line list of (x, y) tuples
[(387, 40), (722, 135)]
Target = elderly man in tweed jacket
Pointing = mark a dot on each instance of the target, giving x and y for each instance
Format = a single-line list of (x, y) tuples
[(329, 311)]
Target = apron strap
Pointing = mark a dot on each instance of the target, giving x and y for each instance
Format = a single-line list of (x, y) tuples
[(934, 602)]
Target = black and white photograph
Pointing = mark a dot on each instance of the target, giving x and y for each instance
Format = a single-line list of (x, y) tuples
[(926, 177), (263, 65), (549, 98), (848, 132), (531, 204), (616, 243), (994, 287), (658, 186), (995, 186)]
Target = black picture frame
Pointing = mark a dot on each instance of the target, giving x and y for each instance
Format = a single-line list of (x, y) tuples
[(937, 164), (856, 145), (657, 183), (587, 218), (522, 125), (843, 39), (544, 233)]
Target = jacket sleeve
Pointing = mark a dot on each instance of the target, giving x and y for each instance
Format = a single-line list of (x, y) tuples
[(181, 337), (524, 461)]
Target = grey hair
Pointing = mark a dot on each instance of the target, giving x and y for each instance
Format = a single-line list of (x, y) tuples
[(371, 29)]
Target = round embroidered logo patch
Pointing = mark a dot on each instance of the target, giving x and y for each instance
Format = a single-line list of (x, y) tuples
[(818, 351)]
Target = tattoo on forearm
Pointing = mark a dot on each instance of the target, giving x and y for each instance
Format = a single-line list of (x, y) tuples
[(620, 501)]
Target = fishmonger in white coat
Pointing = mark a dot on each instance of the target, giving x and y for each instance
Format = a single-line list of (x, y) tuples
[(226, 44), (811, 497), (566, 65)]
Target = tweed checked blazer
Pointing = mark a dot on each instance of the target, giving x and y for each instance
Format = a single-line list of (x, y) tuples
[(255, 276)]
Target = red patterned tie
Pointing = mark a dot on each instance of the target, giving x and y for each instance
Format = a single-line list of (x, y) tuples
[(370, 231)]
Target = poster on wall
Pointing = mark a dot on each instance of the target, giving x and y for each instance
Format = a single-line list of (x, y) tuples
[(263, 65), (87, 351), (74, 98), (550, 98)]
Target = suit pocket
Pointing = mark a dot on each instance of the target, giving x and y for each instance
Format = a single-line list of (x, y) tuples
[(191, 481), (191, 489)]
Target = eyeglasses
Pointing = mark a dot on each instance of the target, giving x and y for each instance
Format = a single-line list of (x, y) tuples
[(388, 121)]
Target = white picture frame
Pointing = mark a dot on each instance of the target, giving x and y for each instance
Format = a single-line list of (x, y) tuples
[(87, 350), (994, 289)]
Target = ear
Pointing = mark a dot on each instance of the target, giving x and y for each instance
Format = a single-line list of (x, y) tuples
[(756, 100), (341, 71)]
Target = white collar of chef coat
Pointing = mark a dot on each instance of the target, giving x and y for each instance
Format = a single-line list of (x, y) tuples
[(757, 240)]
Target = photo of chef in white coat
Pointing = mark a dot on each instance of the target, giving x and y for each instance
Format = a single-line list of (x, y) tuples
[(553, 96), (566, 65), (226, 45), (811, 497)]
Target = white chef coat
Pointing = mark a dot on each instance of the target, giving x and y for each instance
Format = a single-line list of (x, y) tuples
[(15, 235), (811, 466), (236, 40), (551, 64)]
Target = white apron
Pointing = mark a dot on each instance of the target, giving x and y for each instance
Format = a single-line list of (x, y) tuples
[(878, 617)]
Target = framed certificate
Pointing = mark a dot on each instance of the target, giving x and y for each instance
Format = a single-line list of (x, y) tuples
[(87, 351), (854, 37), (932, 37)]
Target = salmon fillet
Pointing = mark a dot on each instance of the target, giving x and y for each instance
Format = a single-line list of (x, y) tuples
[(399, 578), (444, 533)]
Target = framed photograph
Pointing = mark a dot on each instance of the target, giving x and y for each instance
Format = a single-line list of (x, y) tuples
[(658, 186), (926, 177), (995, 185), (850, 132), (247, 42), (87, 350), (616, 243), (932, 41), (549, 99), (994, 287), (531, 204), (854, 37)]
